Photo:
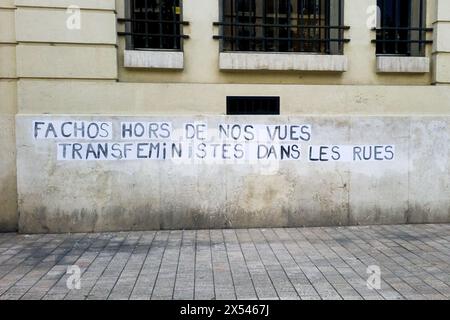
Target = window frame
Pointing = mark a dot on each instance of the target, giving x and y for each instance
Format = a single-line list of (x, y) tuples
[(415, 41), (129, 33), (340, 28)]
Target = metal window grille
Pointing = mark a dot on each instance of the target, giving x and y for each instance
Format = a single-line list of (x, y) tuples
[(253, 105), (154, 24), (402, 29), (282, 26)]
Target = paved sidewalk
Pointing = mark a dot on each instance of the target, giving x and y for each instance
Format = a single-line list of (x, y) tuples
[(304, 263)]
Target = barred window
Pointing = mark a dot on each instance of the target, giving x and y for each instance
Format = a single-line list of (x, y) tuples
[(282, 26), (154, 24), (402, 29)]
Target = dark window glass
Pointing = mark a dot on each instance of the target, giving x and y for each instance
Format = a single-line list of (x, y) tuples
[(155, 24), (253, 105), (283, 26), (402, 27)]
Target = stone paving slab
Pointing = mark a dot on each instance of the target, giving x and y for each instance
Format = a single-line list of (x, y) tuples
[(288, 264)]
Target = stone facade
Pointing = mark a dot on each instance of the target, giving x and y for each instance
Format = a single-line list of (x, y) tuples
[(49, 70)]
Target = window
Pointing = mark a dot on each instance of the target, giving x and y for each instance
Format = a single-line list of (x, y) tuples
[(282, 26), (402, 28), (253, 105), (154, 24)]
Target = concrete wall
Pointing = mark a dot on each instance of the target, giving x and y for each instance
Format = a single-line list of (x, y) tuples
[(165, 194), (8, 109), (47, 68)]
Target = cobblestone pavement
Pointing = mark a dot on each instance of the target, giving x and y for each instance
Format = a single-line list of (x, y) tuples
[(303, 263)]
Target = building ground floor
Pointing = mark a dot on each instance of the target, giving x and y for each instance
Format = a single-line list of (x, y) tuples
[(123, 130), (372, 263), (94, 156)]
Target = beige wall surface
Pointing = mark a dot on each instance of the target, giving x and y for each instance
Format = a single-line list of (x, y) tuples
[(442, 73), (442, 10), (202, 53), (66, 61), (8, 61), (90, 53), (8, 94), (107, 97), (8, 109), (49, 25), (7, 24), (83, 4)]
